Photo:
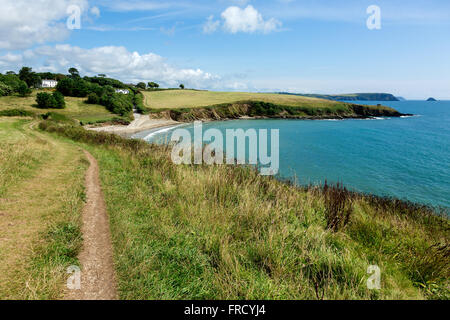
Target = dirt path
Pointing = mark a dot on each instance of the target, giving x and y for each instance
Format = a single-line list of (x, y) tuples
[(97, 271)]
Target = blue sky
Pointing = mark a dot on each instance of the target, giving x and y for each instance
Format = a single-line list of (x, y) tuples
[(301, 46)]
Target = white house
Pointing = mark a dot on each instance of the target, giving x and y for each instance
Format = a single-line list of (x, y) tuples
[(49, 83), (123, 91)]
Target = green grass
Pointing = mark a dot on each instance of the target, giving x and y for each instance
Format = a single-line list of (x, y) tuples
[(221, 232), (75, 108), (173, 99), (191, 105), (41, 191)]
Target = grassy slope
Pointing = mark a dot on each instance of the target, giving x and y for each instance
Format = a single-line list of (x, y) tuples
[(75, 108), (190, 105), (196, 232), (171, 99), (41, 192)]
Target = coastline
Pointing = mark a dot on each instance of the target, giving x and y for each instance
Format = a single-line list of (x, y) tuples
[(140, 124), (144, 123)]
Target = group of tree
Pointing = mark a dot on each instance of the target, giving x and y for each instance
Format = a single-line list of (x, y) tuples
[(50, 101), (98, 90), (12, 83), (31, 78)]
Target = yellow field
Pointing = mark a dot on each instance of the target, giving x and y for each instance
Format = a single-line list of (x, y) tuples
[(75, 107), (191, 99)]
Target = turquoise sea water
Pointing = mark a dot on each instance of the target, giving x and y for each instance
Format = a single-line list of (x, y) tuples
[(408, 158)]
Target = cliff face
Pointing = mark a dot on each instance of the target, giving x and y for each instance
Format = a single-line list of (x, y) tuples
[(261, 110)]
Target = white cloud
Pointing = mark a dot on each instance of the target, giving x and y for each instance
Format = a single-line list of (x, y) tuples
[(24, 23), (247, 20), (211, 25), (95, 11), (116, 62), (136, 5)]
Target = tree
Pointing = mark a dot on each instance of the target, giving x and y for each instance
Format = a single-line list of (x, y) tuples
[(59, 98), (74, 73), (141, 85), (5, 90), (50, 101), (153, 85), (23, 89), (101, 75), (32, 79), (93, 98), (25, 73), (10, 72), (182, 86)]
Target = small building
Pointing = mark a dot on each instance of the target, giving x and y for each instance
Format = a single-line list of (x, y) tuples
[(49, 84), (123, 91)]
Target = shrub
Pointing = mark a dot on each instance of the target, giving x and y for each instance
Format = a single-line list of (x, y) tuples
[(11, 80), (60, 103), (50, 101), (73, 87), (338, 206), (118, 103), (5, 90), (24, 90), (16, 113), (141, 85), (93, 98)]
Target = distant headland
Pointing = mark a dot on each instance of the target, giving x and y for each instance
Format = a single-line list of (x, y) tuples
[(351, 96)]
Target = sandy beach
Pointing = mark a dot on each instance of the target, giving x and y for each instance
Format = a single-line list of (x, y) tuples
[(141, 123)]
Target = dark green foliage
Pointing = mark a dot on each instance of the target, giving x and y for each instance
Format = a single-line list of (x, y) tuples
[(121, 104), (74, 73), (51, 76), (5, 90), (59, 98), (11, 80), (93, 98), (182, 86), (139, 103), (141, 85), (103, 81), (31, 78), (71, 87), (50, 101), (24, 90), (153, 85), (16, 113)]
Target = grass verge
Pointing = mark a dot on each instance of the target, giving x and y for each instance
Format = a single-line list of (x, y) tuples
[(41, 197)]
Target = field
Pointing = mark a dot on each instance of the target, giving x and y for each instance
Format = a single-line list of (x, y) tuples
[(41, 195), (224, 232), (200, 232), (173, 99), (75, 108)]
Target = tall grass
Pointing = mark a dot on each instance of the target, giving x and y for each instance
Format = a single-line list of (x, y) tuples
[(225, 232)]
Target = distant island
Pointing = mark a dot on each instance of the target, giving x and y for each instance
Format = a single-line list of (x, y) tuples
[(351, 96), (431, 99)]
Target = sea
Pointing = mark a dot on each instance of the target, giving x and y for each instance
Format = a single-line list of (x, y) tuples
[(406, 158)]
